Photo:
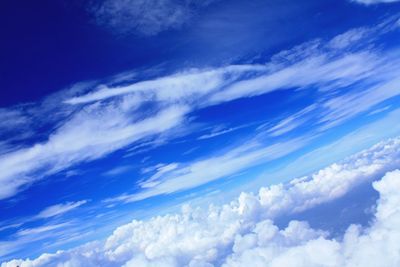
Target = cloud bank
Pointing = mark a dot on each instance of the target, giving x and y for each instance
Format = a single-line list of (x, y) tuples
[(243, 233)]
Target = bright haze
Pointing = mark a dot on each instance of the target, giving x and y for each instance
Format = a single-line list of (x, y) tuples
[(175, 133)]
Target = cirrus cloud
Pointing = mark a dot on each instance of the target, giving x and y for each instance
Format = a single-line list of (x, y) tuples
[(371, 2)]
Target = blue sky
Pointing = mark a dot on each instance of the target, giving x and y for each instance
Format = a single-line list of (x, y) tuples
[(128, 109)]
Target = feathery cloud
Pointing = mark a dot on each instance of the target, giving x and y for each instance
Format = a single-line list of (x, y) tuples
[(143, 16), (95, 120), (371, 2), (59, 209)]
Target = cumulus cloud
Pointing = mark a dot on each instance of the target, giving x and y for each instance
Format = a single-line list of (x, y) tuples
[(243, 233), (377, 245)]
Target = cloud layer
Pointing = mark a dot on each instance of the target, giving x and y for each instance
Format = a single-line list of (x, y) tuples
[(243, 232)]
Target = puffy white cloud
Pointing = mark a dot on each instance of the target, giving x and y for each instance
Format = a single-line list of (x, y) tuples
[(242, 233), (378, 245)]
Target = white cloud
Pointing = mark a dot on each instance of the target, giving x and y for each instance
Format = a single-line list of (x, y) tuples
[(348, 38), (49, 212), (210, 87), (344, 61), (118, 170), (220, 130), (210, 169), (379, 110), (317, 70), (242, 233), (184, 86), (365, 136), (290, 123), (89, 124), (343, 107), (371, 2), (59, 209), (377, 245), (254, 152), (11, 118), (28, 235), (41, 229), (90, 134), (147, 17)]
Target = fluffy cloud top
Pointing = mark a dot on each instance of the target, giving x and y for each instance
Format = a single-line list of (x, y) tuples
[(243, 233)]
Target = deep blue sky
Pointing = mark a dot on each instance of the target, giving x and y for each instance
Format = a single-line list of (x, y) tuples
[(109, 113), (50, 46)]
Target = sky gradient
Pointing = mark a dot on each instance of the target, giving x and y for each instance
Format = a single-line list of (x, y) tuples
[(241, 122)]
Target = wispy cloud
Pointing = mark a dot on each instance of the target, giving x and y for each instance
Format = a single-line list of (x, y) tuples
[(371, 2), (341, 108), (220, 130), (379, 110), (289, 123), (59, 209), (39, 230), (93, 120), (203, 171), (144, 16), (182, 86), (92, 133), (118, 170), (48, 213), (27, 236)]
